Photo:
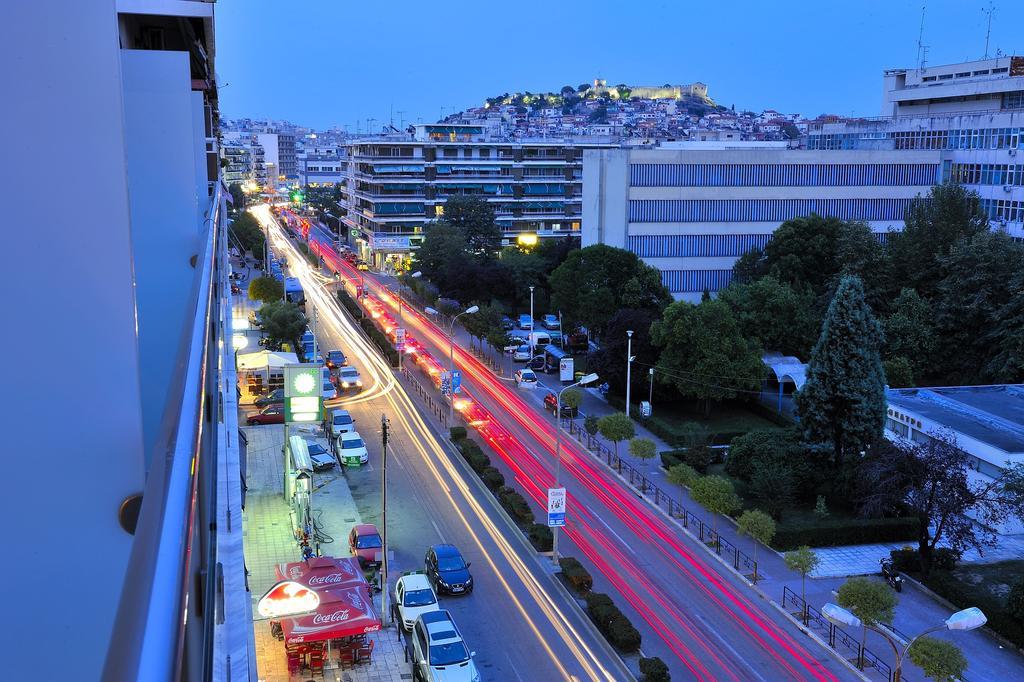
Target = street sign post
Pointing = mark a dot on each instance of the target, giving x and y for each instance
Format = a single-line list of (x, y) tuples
[(446, 383), (566, 369), (303, 402), (556, 507), (456, 381), (400, 339)]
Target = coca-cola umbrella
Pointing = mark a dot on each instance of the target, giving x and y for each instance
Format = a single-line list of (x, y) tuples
[(323, 572), (343, 612)]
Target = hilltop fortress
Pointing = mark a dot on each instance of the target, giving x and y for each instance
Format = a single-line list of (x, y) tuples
[(697, 90)]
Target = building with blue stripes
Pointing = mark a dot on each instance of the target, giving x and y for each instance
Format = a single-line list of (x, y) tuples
[(691, 210)]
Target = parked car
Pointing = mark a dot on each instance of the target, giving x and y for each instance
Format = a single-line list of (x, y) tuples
[(349, 379), (338, 422), (525, 321), (439, 653), (550, 321), (335, 359), (329, 392), (362, 265), (447, 570), (275, 397), (507, 324), (365, 544), (521, 353), (272, 414), (319, 456), (351, 445), (550, 400), (536, 363), (526, 378), (413, 597)]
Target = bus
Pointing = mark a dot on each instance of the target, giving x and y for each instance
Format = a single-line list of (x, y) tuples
[(293, 292)]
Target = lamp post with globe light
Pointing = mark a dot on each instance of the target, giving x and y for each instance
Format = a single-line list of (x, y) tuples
[(451, 355), (588, 379)]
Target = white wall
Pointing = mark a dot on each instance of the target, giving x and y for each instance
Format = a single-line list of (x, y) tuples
[(73, 440)]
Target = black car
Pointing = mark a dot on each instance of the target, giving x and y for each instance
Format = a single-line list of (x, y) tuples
[(335, 358), (275, 397), (447, 570)]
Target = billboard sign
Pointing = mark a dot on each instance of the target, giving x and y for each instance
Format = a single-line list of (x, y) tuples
[(556, 507)]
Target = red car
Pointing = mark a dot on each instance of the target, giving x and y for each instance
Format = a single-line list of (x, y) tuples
[(365, 544), (274, 414), (549, 405)]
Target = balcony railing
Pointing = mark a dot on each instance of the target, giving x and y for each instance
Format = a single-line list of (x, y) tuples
[(169, 603)]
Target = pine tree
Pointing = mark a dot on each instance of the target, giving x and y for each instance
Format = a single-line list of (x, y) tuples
[(843, 401)]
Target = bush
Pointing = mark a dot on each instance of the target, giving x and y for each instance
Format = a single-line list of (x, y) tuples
[(1000, 619), (540, 537), (576, 575), (350, 305), (515, 504), (764, 444), (382, 342), (831, 532), (908, 560), (611, 622), (654, 670), (670, 458), (492, 478), (478, 460), (700, 457), (1015, 602), (457, 433), (600, 608)]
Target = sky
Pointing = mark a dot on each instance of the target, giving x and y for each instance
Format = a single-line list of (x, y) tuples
[(338, 62)]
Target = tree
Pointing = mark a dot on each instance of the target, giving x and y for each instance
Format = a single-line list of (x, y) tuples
[(266, 289), (775, 313), (282, 322), (870, 600), (482, 322), (749, 267), (237, 197), (771, 485), (802, 251), (759, 526), (474, 217), (772, 445), (1015, 601), (910, 332), (643, 448), (843, 401), (590, 425), (704, 354), (971, 295), (682, 475), (572, 398), (933, 225), (248, 234), (934, 481), (940, 660), (717, 495), (588, 286), (610, 360), (616, 427), (803, 560), (441, 256), (567, 90), (898, 372), (1006, 337)]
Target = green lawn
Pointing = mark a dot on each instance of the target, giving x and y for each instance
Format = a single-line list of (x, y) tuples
[(990, 580), (725, 420)]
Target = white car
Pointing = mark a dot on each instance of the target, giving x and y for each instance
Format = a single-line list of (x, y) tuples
[(329, 392), (525, 378), (521, 353), (349, 379), (550, 322), (351, 445), (439, 653), (414, 596), (338, 422)]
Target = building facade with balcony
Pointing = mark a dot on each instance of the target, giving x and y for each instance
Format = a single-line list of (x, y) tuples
[(320, 169), (396, 186), (140, 575), (693, 210), (238, 163), (279, 150), (971, 112)]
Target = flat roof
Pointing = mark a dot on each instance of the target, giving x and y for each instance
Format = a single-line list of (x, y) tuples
[(989, 414)]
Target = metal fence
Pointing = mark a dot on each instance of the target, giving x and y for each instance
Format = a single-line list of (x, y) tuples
[(653, 492), (437, 407), (837, 638)]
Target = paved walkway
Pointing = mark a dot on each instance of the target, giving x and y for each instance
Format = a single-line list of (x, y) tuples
[(269, 541)]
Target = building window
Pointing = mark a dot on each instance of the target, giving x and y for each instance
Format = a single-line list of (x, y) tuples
[(763, 210), (782, 175), (695, 281), (695, 245)]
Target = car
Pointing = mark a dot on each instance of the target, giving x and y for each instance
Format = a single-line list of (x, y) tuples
[(525, 321), (447, 570), (521, 353), (536, 363), (414, 596), (272, 414), (335, 359), (275, 397), (329, 392), (550, 400), (550, 321), (439, 653), (507, 324), (349, 379), (319, 456), (350, 446), (365, 544), (338, 422), (362, 265), (526, 378)]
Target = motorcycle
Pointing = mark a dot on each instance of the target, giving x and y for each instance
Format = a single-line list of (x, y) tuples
[(892, 576)]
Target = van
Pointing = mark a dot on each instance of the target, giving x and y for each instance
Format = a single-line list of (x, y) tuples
[(338, 422), (538, 339)]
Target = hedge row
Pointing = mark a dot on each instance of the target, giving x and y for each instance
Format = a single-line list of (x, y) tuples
[(909, 560), (382, 342), (612, 623), (836, 532), (654, 669), (350, 305), (576, 574), (951, 587), (700, 457)]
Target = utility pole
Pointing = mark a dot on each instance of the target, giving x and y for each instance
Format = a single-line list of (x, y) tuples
[(313, 359), (629, 365), (384, 426), (988, 31)]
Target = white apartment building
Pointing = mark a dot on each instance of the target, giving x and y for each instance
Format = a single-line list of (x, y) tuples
[(987, 422), (972, 112), (692, 209), (279, 150)]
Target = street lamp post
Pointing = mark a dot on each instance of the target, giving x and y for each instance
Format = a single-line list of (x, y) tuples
[(531, 337), (969, 619), (451, 356), (401, 325), (650, 394), (590, 378), (629, 366), (384, 428)]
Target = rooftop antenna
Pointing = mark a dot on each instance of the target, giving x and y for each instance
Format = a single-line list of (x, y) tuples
[(401, 119), (922, 49), (988, 31)]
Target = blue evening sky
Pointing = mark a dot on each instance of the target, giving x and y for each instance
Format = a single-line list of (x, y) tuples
[(339, 62)]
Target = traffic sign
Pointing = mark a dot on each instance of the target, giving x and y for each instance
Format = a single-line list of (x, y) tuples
[(556, 507), (456, 381), (400, 338), (446, 383), (303, 402)]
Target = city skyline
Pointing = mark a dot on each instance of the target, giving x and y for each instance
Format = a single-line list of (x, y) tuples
[(383, 50)]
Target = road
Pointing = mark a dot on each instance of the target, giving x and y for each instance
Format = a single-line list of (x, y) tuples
[(701, 619), (517, 620)]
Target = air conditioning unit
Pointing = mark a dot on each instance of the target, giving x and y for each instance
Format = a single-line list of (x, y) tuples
[(1007, 188), (1013, 152)]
